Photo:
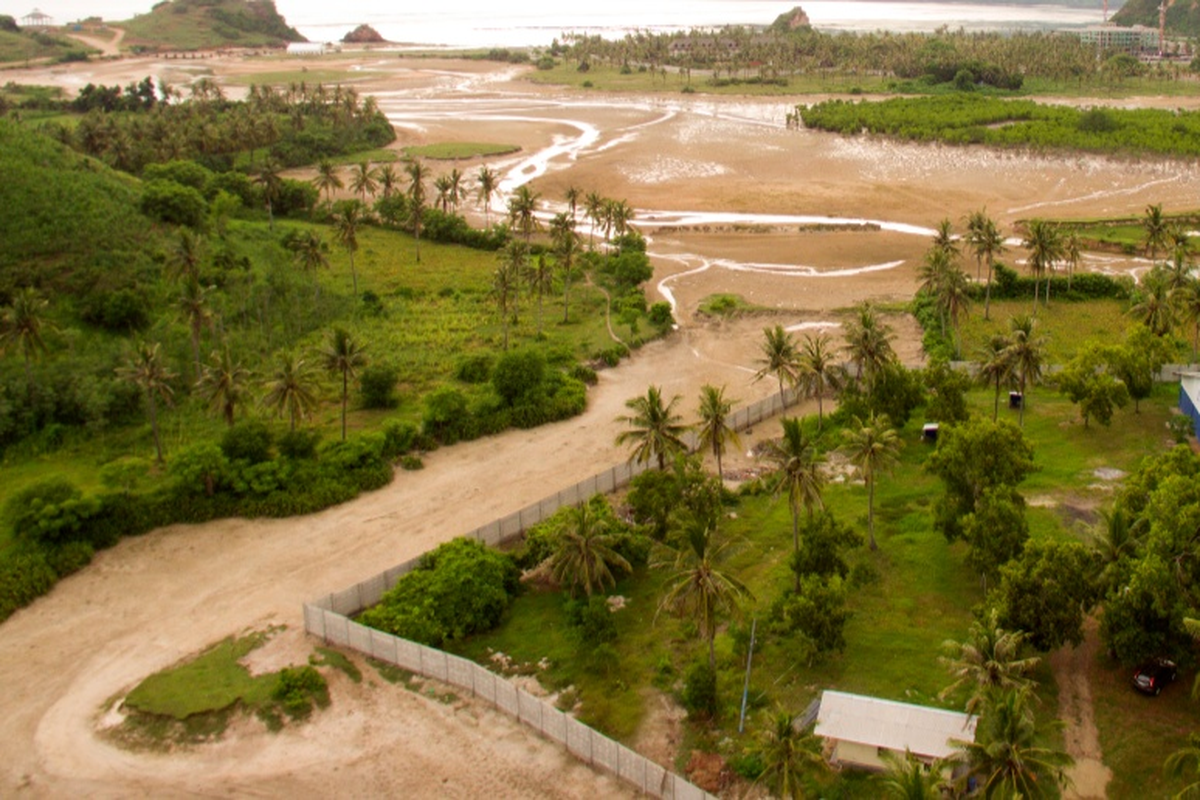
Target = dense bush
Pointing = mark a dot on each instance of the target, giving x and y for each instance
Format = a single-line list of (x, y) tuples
[(460, 588), (248, 441), (377, 386), (592, 619), (700, 691), (167, 201)]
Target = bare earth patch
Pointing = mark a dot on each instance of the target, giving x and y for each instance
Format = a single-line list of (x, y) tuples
[(1072, 665)]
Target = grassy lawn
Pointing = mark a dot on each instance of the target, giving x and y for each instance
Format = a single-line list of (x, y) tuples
[(1064, 325), (447, 151), (907, 599)]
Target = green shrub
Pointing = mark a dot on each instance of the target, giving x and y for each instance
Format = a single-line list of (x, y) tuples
[(460, 588), (200, 468), (299, 445), (298, 688), (377, 384), (69, 557), (248, 441), (446, 417), (25, 575), (518, 376), (398, 438), (584, 374), (700, 691), (474, 369), (50, 512), (592, 619), (167, 201)]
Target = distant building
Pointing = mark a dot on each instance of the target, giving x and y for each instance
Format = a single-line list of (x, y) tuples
[(862, 730), (307, 49), (1189, 398), (1135, 40), (36, 19)]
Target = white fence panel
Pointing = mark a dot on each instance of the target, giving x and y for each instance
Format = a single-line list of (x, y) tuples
[(579, 739), (360, 637), (314, 620), (554, 724), (657, 779), (530, 709), (408, 655), (485, 684), (631, 767), (433, 663), (337, 629), (460, 672), (383, 646), (346, 602), (506, 698), (604, 753), (371, 590)]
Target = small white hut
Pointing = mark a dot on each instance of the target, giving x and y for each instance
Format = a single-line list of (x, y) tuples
[(862, 730), (36, 19)]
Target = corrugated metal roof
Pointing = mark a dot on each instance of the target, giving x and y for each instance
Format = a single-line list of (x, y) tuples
[(896, 726)]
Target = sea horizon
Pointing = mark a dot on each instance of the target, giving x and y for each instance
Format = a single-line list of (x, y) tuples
[(476, 24)]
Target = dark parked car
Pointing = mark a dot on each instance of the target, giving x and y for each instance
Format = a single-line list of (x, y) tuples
[(1154, 674)]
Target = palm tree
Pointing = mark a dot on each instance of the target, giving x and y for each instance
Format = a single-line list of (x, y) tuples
[(566, 248), (698, 588), (310, 253), (944, 239), (909, 778), (934, 275), (817, 370), (869, 343), (714, 431), (1024, 353), (363, 180), (585, 557), (417, 174), (146, 368), (995, 367), (622, 214), (21, 326), (1187, 305), (223, 383), (506, 282), (593, 209), (786, 755), (389, 179), (873, 447), (990, 659), (655, 429), (521, 209), (194, 305), (1154, 309), (956, 302), (487, 182), (346, 223), (1158, 230), (986, 243), (1184, 764), (442, 186), (779, 358), (291, 389), (457, 191), (343, 356), (185, 257), (1006, 758), (1073, 255), (1044, 244), (327, 179), (798, 463), (272, 183), (539, 275)]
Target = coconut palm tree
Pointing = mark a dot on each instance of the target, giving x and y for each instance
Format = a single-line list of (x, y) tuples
[(539, 276), (655, 429), (1186, 300), (698, 588), (944, 239), (346, 223), (443, 187), (818, 371), (1154, 309), (290, 389), (343, 356), (1184, 764), (195, 306), (417, 175), (522, 207), (185, 257), (572, 195), (21, 326), (327, 179), (146, 368), (990, 659), (593, 209), (986, 243), (1025, 355), (869, 343), (1073, 255), (311, 254), (223, 384), (779, 358), (457, 191), (566, 250), (487, 181), (873, 447), (995, 367), (910, 778), (955, 302), (799, 472), (1006, 758), (271, 181), (787, 755), (506, 283), (934, 275), (714, 431), (364, 180), (1157, 228), (389, 179), (1044, 244), (585, 556)]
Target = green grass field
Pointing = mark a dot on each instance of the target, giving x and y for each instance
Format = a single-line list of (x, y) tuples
[(448, 151)]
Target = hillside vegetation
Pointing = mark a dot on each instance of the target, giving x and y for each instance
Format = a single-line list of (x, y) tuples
[(18, 44), (201, 24), (1183, 17)]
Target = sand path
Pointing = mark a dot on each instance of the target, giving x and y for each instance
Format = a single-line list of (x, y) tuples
[(1072, 666), (153, 600), (109, 48)]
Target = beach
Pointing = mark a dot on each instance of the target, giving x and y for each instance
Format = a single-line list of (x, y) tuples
[(723, 190)]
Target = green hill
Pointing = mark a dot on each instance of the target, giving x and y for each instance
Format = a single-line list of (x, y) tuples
[(71, 220), (1183, 17), (23, 44), (203, 24)]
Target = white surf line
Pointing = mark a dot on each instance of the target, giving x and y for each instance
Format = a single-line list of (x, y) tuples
[(1097, 195), (810, 326)]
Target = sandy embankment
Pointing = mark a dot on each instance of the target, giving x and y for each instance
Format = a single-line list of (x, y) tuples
[(153, 600)]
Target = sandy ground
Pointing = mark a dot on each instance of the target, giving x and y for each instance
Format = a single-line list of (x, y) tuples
[(1089, 776), (153, 600)]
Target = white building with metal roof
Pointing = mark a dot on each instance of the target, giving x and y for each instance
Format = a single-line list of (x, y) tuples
[(862, 730)]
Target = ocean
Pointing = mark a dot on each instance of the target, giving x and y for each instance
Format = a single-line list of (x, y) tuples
[(487, 23)]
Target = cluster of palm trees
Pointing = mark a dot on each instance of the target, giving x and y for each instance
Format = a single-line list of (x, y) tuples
[(1169, 294), (1015, 358)]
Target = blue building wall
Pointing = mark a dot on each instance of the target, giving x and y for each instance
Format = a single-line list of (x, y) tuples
[(1188, 403)]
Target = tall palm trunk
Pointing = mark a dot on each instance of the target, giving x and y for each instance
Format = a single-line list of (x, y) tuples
[(871, 512), (345, 393), (987, 294), (154, 425)]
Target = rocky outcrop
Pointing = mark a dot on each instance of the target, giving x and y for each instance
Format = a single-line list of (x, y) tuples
[(793, 20), (363, 34)]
